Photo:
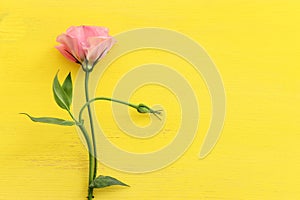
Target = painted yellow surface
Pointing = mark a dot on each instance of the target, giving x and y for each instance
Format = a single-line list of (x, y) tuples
[(255, 45)]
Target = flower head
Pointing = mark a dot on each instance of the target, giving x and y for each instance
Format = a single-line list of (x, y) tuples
[(85, 45)]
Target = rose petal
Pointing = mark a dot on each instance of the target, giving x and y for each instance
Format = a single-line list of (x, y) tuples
[(95, 41), (99, 50), (64, 52), (72, 46), (95, 31), (76, 32)]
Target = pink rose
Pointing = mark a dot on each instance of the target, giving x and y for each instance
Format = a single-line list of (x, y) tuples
[(85, 45)]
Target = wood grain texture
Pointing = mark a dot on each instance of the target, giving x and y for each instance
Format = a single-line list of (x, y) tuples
[(255, 45)]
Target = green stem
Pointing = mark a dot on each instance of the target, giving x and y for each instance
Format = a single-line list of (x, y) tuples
[(91, 159), (87, 104), (72, 116), (91, 123)]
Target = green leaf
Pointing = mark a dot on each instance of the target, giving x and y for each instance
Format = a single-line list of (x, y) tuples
[(60, 96), (67, 87), (105, 181), (50, 120)]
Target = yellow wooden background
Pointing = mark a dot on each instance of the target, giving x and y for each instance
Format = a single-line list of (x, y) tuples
[(255, 45)]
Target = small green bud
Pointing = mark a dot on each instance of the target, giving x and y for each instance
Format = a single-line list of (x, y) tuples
[(143, 108)]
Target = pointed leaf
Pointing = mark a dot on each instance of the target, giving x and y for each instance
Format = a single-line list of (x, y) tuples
[(59, 95), (105, 181), (67, 87), (50, 120)]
